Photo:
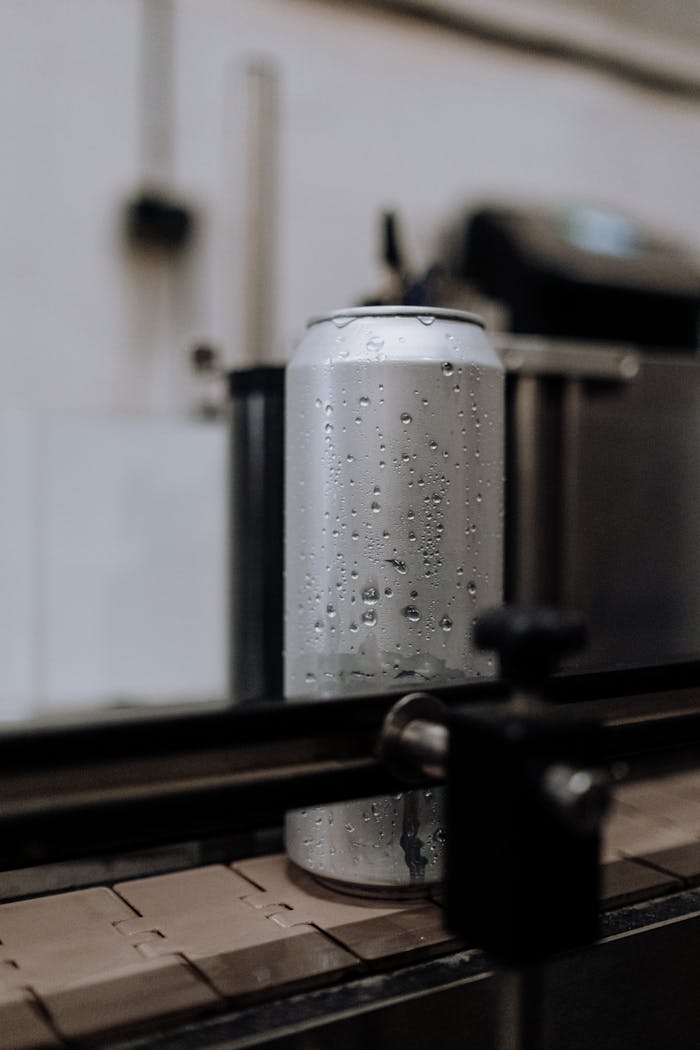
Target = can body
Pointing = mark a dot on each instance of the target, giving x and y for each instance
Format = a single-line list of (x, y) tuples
[(393, 544)]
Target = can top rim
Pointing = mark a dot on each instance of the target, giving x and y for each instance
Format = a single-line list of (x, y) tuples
[(399, 311)]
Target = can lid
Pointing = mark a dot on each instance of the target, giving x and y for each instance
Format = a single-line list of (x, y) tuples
[(399, 311)]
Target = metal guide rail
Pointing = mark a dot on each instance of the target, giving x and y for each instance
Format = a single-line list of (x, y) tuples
[(72, 791)]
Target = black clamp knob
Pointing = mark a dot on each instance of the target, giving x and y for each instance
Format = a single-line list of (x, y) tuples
[(530, 641)]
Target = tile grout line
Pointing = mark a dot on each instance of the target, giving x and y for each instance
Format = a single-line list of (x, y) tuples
[(191, 966), (46, 1016), (642, 862)]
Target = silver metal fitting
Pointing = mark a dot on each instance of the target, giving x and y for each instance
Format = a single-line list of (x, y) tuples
[(414, 739)]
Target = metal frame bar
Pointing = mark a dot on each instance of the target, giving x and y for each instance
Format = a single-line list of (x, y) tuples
[(81, 791)]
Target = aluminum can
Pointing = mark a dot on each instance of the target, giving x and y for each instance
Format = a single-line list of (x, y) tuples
[(393, 545)]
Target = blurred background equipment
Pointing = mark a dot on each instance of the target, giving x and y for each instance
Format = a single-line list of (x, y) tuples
[(583, 272)]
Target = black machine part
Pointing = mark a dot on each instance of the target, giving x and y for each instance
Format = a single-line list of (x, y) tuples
[(527, 792), (256, 465), (526, 795), (583, 273)]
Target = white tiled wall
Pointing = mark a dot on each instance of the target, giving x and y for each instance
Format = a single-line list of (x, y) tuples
[(18, 566), (375, 110), (112, 564), (111, 533)]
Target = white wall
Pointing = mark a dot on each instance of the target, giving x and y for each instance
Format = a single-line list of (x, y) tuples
[(112, 563), (375, 111)]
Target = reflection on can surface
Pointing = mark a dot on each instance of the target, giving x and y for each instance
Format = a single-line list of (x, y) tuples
[(393, 537)]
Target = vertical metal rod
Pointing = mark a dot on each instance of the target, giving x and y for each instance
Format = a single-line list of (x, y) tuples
[(519, 1009), (527, 409), (262, 117), (157, 34), (572, 416)]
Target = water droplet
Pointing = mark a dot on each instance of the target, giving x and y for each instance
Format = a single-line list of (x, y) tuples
[(479, 497), (388, 592), (433, 446), (376, 507), (310, 677), (397, 564), (318, 627), (342, 322), (405, 417), (350, 458), (358, 419), (439, 835), (364, 401), (412, 537), (349, 827), (471, 588), (446, 623), (405, 457), (353, 627), (375, 343), (447, 368), (437, 498), (426, 319), (369, 617), (410, 514), (328, 428), (370, 595), (318, 403), (328, 410), (412, 613)]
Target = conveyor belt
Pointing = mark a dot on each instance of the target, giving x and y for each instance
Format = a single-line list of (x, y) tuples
[(92, 965)]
